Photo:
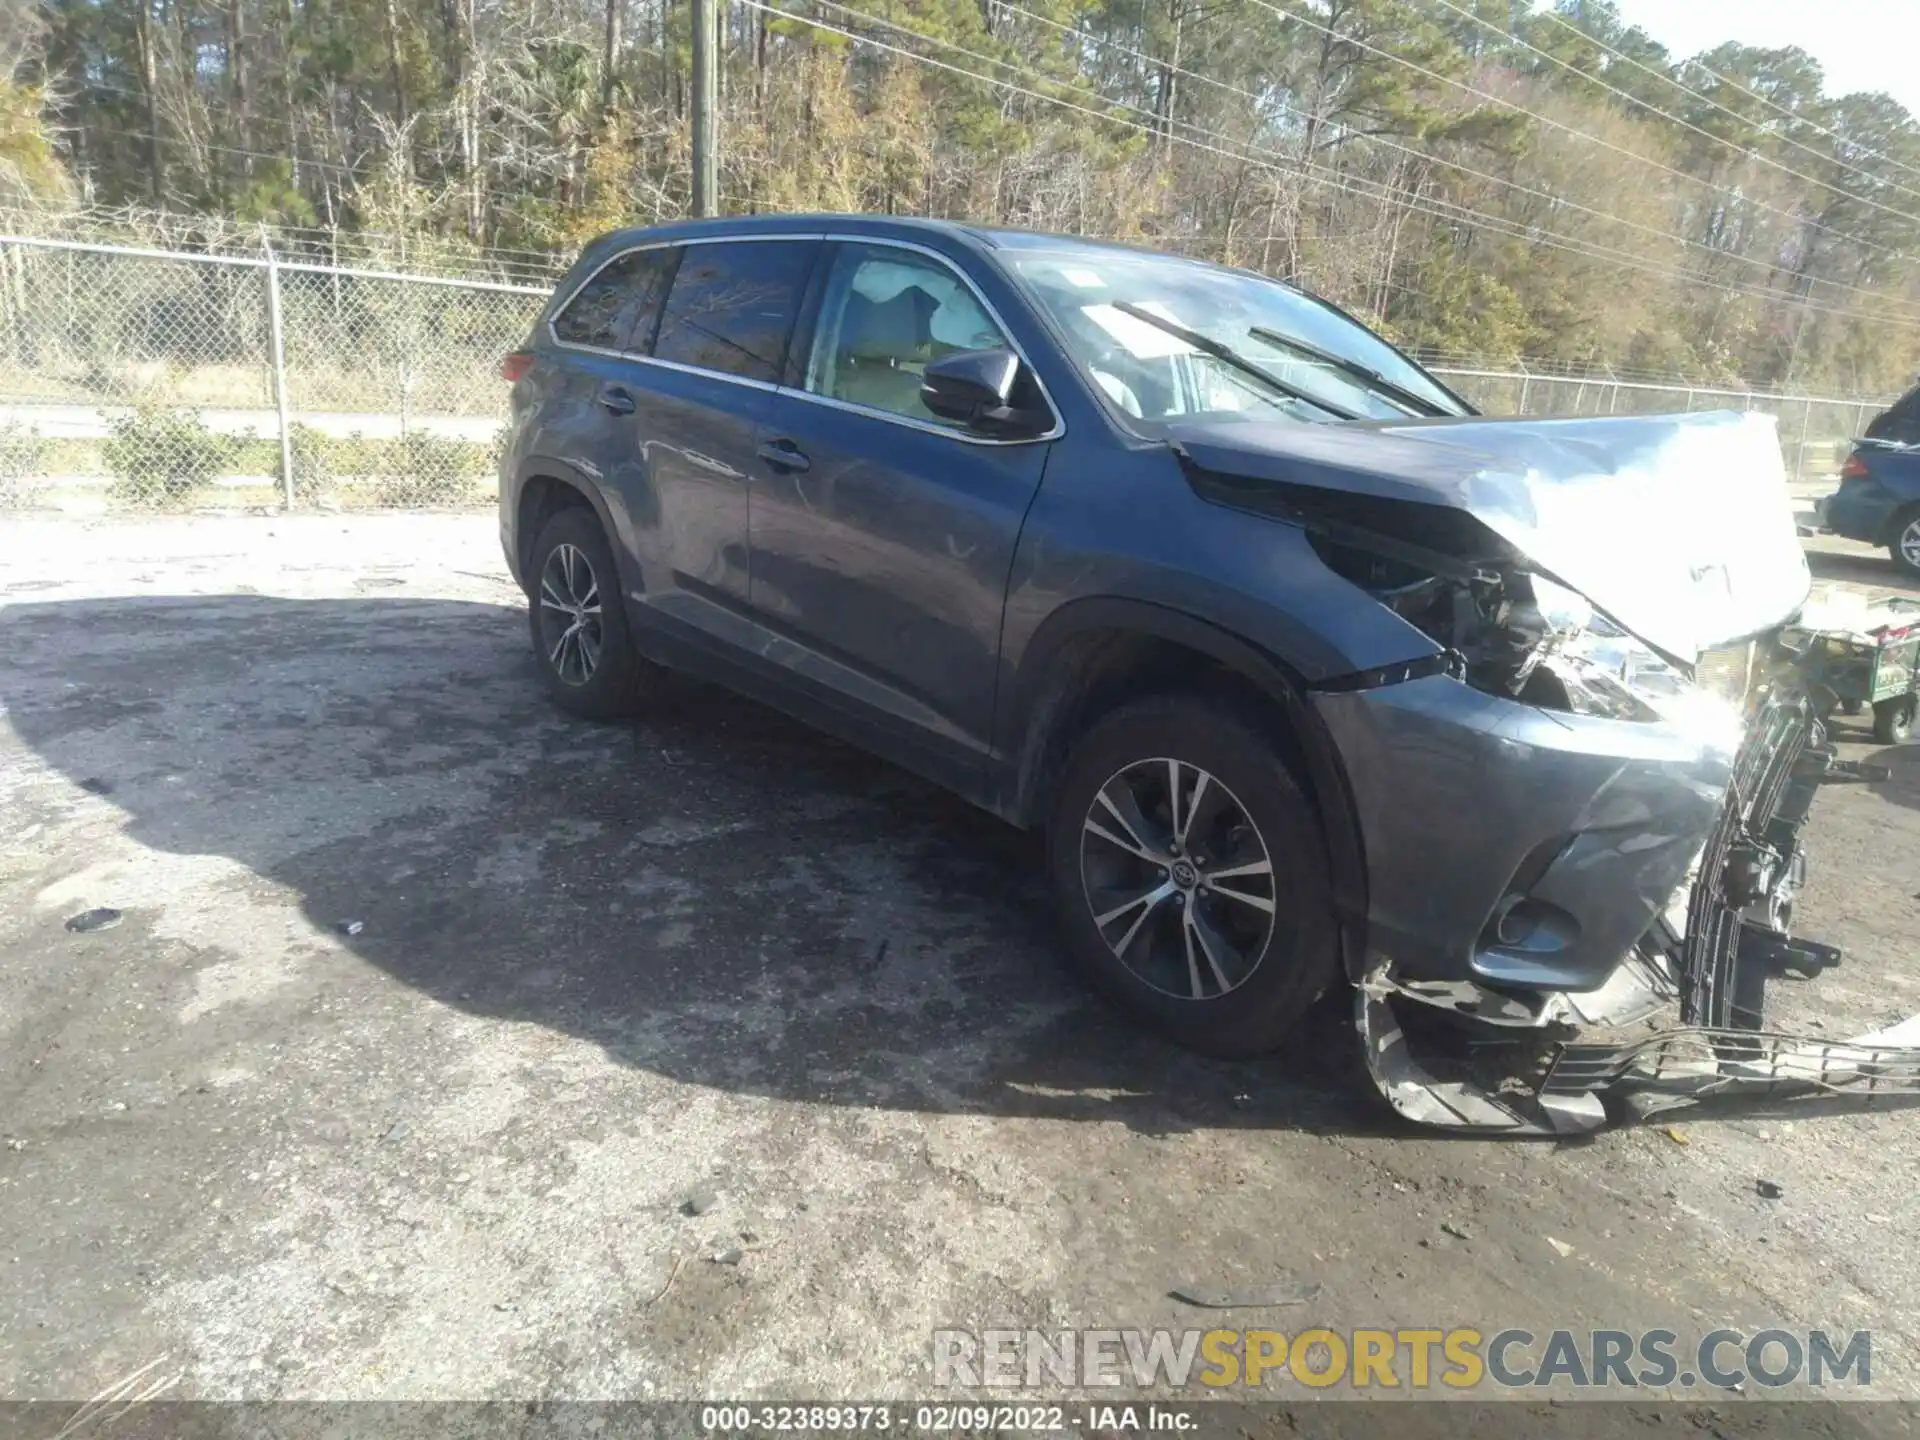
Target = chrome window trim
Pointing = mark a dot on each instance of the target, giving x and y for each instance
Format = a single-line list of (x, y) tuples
[(1058, 428), (701, 370)]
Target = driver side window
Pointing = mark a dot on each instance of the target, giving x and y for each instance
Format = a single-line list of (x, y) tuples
[(885, 313)]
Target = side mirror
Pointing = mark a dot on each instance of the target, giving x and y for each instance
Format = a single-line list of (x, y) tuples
[(975, 387)]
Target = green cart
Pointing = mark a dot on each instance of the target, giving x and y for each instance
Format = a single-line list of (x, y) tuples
[(1867, 659)]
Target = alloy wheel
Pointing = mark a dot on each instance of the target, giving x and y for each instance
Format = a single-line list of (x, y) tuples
[(570, 629), (1178, 879), (1910, 543)]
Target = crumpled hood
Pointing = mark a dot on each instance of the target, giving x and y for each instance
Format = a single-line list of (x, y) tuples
[(1678, 526)]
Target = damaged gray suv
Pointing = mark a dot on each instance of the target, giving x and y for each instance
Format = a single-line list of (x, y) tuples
[(1311, 675)]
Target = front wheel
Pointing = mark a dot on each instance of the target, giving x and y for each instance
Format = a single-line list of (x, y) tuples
[(1905, 545), (1893, 720), (1190, 876)]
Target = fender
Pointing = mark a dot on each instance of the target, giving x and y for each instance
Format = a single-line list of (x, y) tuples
[(574, 478), (1039, 697)]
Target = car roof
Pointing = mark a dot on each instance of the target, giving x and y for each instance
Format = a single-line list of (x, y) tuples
[(900, 227)]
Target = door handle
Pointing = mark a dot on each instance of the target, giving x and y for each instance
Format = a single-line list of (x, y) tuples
[(785, 455), (617, 399)]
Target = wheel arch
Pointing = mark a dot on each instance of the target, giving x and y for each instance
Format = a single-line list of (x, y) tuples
[(1906, 514), (547, 487), (1094, 655)]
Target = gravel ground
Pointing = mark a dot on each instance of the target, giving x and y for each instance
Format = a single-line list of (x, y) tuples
[(431, 1008)]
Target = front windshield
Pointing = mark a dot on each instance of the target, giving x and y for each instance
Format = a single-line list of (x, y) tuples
[(1106, 303)]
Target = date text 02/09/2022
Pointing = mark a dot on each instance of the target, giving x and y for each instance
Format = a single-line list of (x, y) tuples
[(722, 1419)]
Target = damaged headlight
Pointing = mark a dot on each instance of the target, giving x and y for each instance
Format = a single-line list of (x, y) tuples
[(1531, 639), (1584, 663)]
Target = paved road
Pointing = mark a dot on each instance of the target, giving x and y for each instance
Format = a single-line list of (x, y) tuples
[(599, 969)]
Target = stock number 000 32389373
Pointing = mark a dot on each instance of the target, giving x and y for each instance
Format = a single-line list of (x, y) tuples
[(930, 1419)]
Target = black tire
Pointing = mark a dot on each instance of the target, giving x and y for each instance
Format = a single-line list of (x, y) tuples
[(612, 685), (1275, 980), (1893, 720), (1904, 544)]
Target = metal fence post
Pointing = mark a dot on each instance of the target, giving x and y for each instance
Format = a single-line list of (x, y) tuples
[(279, 373)]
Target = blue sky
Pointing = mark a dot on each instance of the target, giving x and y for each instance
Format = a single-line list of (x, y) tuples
[(1861, 44)]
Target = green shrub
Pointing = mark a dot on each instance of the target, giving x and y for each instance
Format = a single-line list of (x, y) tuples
[(163, 457), (315, 468), (418, 469), (23, 454)]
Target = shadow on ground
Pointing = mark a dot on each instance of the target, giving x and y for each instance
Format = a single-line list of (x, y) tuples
[(715, 893), (1902, 785), (1873, 569)]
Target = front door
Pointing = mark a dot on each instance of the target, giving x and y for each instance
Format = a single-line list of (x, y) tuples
[(881, 535)]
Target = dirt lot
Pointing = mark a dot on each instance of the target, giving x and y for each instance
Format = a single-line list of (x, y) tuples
[(597, 970)]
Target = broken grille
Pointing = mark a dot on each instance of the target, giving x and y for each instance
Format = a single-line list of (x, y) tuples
[(1710, 993), (1696, 1063)]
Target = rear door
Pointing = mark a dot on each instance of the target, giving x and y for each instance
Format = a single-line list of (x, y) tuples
[(589, 421), (882, 535), (711, 356)]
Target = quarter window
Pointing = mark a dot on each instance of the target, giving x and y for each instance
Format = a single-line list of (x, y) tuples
[(884, 314), (732, 306), (603, 312)]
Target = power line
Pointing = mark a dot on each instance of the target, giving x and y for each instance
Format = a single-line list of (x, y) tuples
[(180, 140), (134, 217), (1446, 211), (1514, 185), (1546, 120), (1660, 74), (1671, 119), (1698, 64), (187, 144), (1452, 211)]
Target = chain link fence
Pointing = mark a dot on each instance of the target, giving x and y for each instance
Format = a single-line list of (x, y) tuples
[(154, 380), (1815, 431), (149, 379)]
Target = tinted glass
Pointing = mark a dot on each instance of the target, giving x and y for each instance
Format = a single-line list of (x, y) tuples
[(1900, 422), (603, 312), (732, 305), (884, 315)]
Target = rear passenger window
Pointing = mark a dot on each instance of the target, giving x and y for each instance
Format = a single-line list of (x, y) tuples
[(732, 305), (603, 312)]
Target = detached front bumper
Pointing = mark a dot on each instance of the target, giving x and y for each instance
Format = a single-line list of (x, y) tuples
[(1555, 882), (1514, 846)]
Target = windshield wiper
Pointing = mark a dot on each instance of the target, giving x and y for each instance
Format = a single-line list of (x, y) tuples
[(1354, 370), (1230, 357)]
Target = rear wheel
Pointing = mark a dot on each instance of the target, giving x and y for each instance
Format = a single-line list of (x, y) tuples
[(1893, 720), (1190, 876), (578, 621), (1905, 545)]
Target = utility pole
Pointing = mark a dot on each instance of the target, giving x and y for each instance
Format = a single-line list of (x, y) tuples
[(706, 85)]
